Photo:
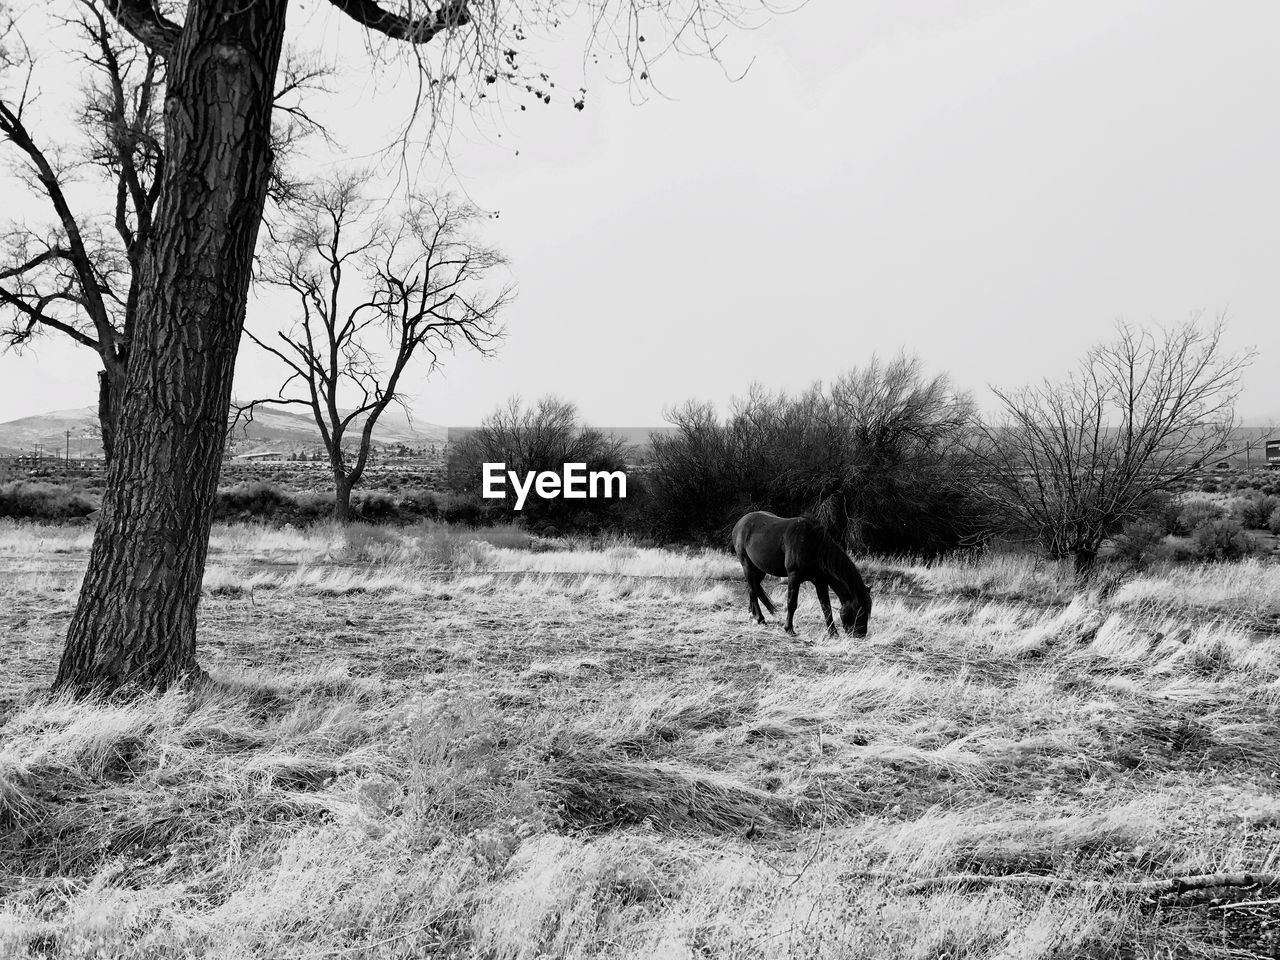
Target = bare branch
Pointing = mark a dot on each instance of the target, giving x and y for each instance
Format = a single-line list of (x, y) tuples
[(455, 13), (143, 20)]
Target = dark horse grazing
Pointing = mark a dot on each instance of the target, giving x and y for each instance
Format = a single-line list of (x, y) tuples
[(799, 549)]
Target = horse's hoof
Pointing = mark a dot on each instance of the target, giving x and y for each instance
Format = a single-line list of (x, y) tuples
[(789, 632)]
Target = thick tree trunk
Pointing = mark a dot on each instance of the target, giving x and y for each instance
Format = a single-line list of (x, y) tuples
[(110, 387), (341, 497), (106, 413), (136, 619)]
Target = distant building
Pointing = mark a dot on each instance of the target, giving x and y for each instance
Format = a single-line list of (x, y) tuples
[(1273, 453)]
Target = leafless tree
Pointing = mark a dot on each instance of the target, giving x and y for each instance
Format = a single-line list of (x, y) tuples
[(135, 620), (78, 274), (375, 291), (1071, 462)]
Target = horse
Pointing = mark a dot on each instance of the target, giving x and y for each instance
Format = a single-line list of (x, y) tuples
[(800, 549)]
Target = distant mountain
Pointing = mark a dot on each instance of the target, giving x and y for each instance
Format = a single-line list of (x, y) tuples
[(282, 430), (272, 430), (47, 432), (1268, 424), (636, 436)]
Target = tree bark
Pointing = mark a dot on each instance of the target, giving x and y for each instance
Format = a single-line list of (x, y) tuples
[(106, 413), (110, 388), (135, 622), (341, 497)]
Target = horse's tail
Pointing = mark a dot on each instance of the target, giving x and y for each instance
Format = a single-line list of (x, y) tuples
[(757, 591)]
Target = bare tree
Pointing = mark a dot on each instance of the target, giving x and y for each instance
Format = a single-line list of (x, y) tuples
[(1071, 462), (78, 275), (136, 615), (376, 291)]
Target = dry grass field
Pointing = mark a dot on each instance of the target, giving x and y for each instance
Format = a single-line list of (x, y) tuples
[(420, 744)]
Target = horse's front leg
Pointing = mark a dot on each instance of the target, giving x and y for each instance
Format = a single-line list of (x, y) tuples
[(824, 601), (793, 597)]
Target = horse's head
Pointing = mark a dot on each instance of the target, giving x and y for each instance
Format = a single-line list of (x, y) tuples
[(855, 615)]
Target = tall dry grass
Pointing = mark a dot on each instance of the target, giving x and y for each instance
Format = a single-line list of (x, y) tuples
[(452, 747)]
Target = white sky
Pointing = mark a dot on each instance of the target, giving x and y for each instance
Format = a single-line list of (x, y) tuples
[(988, 184)]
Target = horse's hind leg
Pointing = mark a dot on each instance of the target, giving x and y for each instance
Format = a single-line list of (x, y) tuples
[(754, 580), (824, 601), (793, 597)]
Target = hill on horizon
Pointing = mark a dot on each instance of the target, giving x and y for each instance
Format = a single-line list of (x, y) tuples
[(636, 436), (274, 429), (271, 430)]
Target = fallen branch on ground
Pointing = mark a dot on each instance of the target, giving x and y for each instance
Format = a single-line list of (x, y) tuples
[(1173, 885), (1244, 904)]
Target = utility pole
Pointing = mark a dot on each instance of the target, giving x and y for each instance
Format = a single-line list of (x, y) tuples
[(67, 459)]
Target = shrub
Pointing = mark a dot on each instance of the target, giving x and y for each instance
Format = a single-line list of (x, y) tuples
[(311, 506), (264, 500), (1273, 523), (544, 436), (1223, 539), (420, 502), (1254, 511), (467, 509), (375, 505), (24, 500), (1166, 513), (1194, 513), (877, 457), (1141, 542), (257, 498)]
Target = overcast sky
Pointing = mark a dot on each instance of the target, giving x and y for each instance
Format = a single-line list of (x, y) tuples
[(990, 185)]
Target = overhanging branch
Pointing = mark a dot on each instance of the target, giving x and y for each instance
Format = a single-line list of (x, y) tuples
[(144, 22), (412, 29)]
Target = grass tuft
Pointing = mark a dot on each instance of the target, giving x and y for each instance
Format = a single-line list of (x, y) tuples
[(598, 791)]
